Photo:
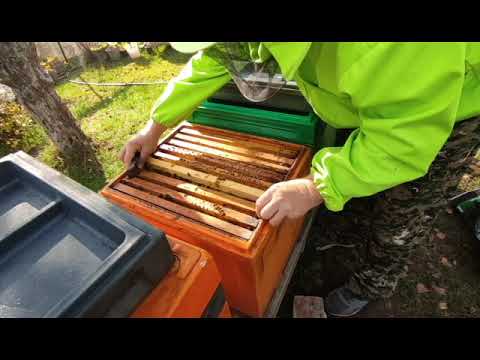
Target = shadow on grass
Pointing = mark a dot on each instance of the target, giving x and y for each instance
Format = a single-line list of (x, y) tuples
[(174, 57), (142, 61), (6, 149), (86, 170), (97, 65), (105, 102), (94, 180)]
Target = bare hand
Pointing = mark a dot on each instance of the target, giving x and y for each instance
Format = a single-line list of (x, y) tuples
[(145, 143)]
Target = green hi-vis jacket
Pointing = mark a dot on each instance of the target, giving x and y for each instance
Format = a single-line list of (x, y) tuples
[(402, 99)]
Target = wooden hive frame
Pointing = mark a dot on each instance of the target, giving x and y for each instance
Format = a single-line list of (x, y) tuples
[(210, 203)]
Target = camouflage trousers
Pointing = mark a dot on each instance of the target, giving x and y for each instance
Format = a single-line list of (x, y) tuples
[(386, 228)]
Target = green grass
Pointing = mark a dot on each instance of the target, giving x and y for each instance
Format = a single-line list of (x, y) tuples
[(109, 120), (18, 131)]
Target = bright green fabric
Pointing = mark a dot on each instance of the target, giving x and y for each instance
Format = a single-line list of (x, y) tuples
[(190, 47), (199, 79), (402, 99)]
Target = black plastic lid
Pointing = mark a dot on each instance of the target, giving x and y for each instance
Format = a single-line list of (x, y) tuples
[(288, 99), (67, 252)]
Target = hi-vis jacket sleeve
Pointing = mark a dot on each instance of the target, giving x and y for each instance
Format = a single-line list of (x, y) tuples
[(407, 98), (199, 79)]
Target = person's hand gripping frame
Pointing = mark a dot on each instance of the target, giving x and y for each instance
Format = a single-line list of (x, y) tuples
[(288, 199)]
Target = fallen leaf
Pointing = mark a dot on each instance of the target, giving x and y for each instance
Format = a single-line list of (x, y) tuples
[(444, 261), (422, 289), (441, 235), (437, 275), (439, 290), (475, 169), (442, 305)]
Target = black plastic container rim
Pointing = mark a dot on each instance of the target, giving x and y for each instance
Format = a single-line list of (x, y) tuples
[(134, 238)]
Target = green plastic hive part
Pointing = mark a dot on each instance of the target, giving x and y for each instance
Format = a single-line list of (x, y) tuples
[(300, 128)]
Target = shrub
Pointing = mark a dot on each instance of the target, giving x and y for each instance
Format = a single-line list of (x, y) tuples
[(18, 131)]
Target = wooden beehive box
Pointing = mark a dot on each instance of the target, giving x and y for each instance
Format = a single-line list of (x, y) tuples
[(201, 186)]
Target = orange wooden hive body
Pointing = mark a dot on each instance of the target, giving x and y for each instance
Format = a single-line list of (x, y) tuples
[(188, 289), (201, 186)]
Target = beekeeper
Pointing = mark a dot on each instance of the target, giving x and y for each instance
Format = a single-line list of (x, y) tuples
[(402, 102)]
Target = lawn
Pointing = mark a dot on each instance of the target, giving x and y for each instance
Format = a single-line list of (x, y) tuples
[(110, 116)]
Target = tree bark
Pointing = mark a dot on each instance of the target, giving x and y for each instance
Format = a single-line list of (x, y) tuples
[(20, 69)]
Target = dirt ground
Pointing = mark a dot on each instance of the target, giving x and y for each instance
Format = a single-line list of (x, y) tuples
[(443, 278)]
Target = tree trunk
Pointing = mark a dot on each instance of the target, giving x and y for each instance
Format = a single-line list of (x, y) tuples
[(20, 69)]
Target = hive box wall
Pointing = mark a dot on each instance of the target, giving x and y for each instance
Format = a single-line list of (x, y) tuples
[(250, 270), (187, 289)]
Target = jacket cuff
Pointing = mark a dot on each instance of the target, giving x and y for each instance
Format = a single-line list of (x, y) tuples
[(333, 200)]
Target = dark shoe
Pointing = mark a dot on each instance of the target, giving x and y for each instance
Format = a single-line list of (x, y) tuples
[(342, 302)]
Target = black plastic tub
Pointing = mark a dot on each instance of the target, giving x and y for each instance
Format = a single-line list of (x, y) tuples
[(67, 252)]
